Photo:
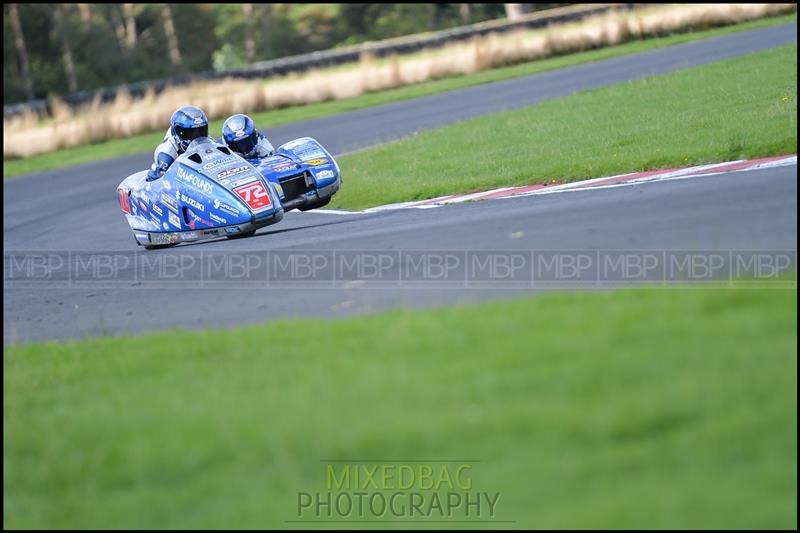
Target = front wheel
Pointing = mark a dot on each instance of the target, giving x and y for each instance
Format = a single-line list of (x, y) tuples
[(241, 235), (316, 205)]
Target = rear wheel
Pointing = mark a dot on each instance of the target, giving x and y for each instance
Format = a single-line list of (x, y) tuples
[(316, 205), (241, 235)]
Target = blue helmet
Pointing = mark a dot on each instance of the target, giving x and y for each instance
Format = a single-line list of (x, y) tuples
[(188, 123), (240, 134)]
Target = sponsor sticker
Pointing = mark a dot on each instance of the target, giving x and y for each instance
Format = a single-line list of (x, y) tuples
[(232, 229), (195, 181), (283, 166), (325, 174), (143, 206), (157, 210), (195, 220), (225, 207), (122, 195), (167, 185), (219, 162), (316, 162), (168, 201), (305, 148), (188, 200), (233, 171), (217, 218), (309, 151), (164, 238), (255, 195), (174, 220)]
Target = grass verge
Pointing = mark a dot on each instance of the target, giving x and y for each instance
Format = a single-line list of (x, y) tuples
[(738, 108), (658, 408), (270, 119)]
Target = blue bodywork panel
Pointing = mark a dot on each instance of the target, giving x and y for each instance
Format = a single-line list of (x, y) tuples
[(210, 191), (300, 167)]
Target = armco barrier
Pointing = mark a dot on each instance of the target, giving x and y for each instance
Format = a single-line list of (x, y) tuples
[(299, 63)]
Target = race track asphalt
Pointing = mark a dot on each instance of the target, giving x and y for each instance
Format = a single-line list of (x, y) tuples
[(74, 211)]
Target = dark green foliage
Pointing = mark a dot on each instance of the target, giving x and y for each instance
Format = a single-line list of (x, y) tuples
[(210, 36)]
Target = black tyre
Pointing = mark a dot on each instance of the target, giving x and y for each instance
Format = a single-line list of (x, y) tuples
[(241, 235), (316, 205)]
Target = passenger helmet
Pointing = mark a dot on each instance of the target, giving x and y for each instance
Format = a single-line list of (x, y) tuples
[(240, 134), (187, 124)]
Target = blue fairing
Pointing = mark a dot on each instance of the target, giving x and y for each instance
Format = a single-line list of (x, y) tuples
[(209, 191), (304, 158), (204, 188)]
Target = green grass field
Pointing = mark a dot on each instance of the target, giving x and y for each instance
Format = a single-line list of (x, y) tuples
[(656, 408), (270, 119), (739, 108)]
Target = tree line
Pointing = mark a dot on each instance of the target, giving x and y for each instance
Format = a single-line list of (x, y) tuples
[(57, 49)]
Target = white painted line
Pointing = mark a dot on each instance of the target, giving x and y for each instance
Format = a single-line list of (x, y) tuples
[(330, 212), (472, 196), (585, 185), (673, 176), (683, 172), (404, 205)]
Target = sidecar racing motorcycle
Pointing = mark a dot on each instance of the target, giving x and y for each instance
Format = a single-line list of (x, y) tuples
[(210, 191)]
